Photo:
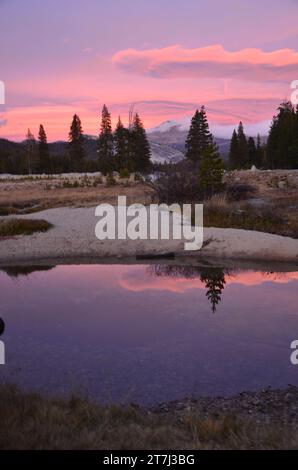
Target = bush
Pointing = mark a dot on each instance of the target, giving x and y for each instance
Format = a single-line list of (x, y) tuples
[(11, 227), (178, 184), (124, 173), (237, 192), (97, 181), (110, 179), (70, 184)]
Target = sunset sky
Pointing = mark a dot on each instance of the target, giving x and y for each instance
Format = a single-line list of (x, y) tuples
[(59, 57)]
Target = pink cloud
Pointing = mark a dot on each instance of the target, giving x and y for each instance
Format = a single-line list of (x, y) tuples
[(211, 61), (139, 280)]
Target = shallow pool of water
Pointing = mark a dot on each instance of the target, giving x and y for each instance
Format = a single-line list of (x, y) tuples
[(136, 333)]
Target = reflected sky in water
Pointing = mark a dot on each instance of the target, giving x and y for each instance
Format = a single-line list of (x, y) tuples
[(147, 333)]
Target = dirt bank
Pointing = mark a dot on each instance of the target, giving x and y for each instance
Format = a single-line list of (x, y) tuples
[(73, 237)]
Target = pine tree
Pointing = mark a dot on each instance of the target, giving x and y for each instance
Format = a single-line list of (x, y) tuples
[(206, 136), (211, 171), (282, 146), (139, 146), (243, 152), (32, 165), (43, 150), (121, 140), (294, 146), (106, 143), (234, 151), (199, 136), (260, 154), (193, 144), (252, 151), (76, 142)]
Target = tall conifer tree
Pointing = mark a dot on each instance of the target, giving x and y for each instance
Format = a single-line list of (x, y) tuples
[(211, 171), (106, 142), (139, 146), (76, 144), (243, 152), (199, 137), (31, 154), (282, 146), (43, 150), (252, 151), (234, 151), (121, 141)]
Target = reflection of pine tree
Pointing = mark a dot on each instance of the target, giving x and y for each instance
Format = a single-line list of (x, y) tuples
[(214, 280)]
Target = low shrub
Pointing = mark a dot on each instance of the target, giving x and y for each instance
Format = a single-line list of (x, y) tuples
[(178, 185), (124, 173), (237, 192), (110, 179)]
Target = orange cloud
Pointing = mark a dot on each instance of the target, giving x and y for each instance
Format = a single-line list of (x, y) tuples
[(211, 61)]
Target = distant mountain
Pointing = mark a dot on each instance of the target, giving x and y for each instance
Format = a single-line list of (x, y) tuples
[(174, 133), (161, 153)]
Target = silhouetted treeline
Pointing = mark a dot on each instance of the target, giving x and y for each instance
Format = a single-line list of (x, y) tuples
[(282, 146), (246, 152), (124, 149), (129, 149), (281, 149)]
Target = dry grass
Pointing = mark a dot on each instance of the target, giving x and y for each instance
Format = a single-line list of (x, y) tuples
[(29, 421), (12, 227), (278, 217), (217, 202), (248, 219), (23, 197), (26, 197)]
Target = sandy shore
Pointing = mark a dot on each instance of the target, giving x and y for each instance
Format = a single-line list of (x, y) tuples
[(73, 238)]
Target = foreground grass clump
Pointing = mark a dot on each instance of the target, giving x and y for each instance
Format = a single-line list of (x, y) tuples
[(7, 210), (13, 227), (29, 421)]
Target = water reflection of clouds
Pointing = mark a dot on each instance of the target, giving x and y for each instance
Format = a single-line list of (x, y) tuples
[(101, 325), (139, 279)]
